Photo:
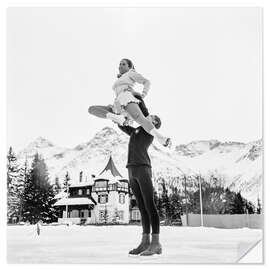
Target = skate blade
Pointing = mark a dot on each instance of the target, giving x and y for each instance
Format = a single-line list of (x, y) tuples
[(154, 256), (151, 257), (133, 255)]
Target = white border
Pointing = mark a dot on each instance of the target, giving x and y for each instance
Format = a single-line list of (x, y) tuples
[(124, 3)]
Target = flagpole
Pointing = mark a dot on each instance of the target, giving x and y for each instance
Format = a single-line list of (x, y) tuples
[(201, 205)]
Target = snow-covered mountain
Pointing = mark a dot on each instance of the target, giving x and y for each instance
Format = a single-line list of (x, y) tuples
[(240, 164)]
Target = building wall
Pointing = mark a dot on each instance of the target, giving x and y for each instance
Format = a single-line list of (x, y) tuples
[(225, 221), (113, 202)]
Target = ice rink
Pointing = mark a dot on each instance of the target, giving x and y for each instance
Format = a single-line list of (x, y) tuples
[(110, 244)]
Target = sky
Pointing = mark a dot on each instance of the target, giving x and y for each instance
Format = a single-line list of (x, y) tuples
[(203, 64)]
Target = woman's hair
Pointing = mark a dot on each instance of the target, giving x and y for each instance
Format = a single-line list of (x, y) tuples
[(130, 65), (129, 62)]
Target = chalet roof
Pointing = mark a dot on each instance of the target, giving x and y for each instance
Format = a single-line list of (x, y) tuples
[(82, 184), (110, 170), (74, 201)]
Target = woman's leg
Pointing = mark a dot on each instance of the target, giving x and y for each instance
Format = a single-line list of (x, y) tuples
[(100, 111), (106, 112), (135, 112)]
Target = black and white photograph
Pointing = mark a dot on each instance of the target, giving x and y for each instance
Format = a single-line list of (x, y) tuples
[(134, 135)]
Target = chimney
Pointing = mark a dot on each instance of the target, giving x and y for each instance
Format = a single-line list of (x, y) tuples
[(81, 174)]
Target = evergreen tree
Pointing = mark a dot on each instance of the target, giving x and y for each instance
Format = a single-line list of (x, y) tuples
[(238, 204), (15, 183), (115, 217), (259, 207), (176, 204), (56, 186), (249, 207), (166, 205), (38, 194), (66, 183), (21, 187), (105, 216), (228, 201)]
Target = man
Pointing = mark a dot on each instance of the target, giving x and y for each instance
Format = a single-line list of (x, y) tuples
[(140, 180)]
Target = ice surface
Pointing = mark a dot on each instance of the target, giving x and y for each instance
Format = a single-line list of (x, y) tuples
[(110, 244)]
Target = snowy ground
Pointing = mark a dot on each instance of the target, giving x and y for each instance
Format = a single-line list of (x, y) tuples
[(110, 244)]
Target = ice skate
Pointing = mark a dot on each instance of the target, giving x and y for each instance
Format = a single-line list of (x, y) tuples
[(145, 243), (152, 250)]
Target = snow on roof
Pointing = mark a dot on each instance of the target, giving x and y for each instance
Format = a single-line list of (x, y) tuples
[(73, 201), (82, 184), (61, 195)]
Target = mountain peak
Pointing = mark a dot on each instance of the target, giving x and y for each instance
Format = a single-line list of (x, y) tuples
[(106, 131), (40, 142)]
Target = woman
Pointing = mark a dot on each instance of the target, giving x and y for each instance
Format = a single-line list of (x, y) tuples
[(125, 107)]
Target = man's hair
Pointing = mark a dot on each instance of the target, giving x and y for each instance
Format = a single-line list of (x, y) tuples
[(157, 121)]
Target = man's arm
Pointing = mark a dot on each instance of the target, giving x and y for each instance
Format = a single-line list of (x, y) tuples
[(127, 129)]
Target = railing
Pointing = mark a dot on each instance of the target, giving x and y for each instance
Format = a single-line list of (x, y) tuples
[(110, 188)]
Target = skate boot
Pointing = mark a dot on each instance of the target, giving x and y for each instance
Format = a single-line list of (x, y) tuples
[(116, 118), (154, 248), (168, 143), (145, 242)]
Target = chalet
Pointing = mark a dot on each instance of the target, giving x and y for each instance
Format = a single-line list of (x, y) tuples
[(107, 198)]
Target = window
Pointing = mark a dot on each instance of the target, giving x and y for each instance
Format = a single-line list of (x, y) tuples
[(122, 198), (81, 214), (88, 191), (75, 213), (103, 198), (80, 192), (102, 184), (121, 214), (135, 215)]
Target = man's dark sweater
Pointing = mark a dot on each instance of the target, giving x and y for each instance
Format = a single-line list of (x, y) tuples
[(139, 142), (138, 145)]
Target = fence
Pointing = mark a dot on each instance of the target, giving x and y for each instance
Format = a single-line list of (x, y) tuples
[(254, 221)]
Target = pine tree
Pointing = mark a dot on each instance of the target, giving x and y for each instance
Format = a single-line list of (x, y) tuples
[(21, 187), (115, 217), (228, 201), (56, 186), (259, 207), (38, 197), (15, 183), (238, 204), (66, 183), (249, 207), (176, 205), (105, 217), (166, 205)]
